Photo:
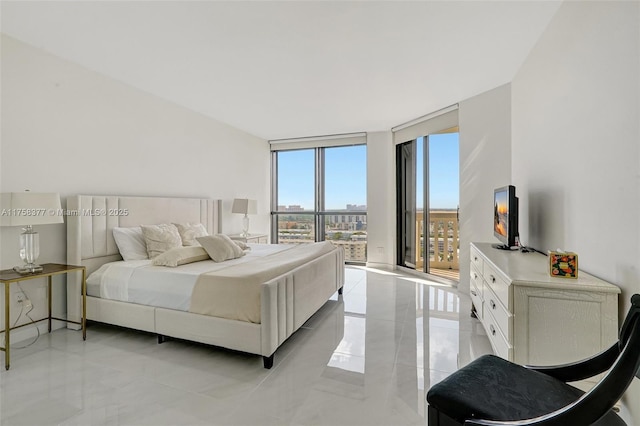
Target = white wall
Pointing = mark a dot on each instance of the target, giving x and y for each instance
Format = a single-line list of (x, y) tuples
[(576, 138), (485, 164), (69, 130), (381, 201)]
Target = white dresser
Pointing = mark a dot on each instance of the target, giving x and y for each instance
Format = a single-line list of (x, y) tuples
[(532, 318)]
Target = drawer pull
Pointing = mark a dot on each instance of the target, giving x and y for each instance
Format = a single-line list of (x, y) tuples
[(493, 279), (475, 275), (475, 258), (492, 303), (493, 330), (474, 293)]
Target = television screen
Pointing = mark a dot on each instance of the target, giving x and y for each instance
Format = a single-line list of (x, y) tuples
[(505, 216), (501, 213)]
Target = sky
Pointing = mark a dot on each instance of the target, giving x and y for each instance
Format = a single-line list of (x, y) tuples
[(444, 171), (346, 175)]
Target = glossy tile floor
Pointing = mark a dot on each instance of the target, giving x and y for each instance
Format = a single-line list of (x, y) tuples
[(366, 358)]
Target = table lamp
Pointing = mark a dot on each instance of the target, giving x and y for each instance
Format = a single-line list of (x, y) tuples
[(28, 209), (245, 206)]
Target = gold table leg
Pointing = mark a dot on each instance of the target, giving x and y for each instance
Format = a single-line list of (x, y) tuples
[(7, 326), (84, 304), (49, 297)]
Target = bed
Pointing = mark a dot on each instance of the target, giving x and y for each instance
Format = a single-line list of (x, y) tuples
[(285, 301)]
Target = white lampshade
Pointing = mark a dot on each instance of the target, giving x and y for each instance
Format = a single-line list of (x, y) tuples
[(244, 206), (30, 208)]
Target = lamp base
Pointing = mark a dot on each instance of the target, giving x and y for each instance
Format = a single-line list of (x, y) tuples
[(245, 226), (29, 268), (29, 252)]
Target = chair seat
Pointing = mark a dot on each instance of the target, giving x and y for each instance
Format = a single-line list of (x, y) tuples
[(492, 388)]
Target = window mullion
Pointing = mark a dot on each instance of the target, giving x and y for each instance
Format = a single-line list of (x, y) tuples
[(274, 197), (319, 196)]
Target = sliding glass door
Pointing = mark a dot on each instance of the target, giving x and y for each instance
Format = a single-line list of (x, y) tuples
[(443, 177), (406, 204), (427, 200)]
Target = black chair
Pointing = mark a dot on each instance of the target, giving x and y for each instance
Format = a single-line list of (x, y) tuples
[(492, 391)]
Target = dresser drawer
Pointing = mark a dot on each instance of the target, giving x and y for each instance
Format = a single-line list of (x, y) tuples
[(501, 316), (476, 277), (499, 286), (477, 260), (476, 297), (499, 343)]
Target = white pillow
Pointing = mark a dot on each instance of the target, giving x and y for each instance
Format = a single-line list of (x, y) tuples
[(190, 231), (220, 247), (130, 242), (160, 238), (242, 245), (181, 256)]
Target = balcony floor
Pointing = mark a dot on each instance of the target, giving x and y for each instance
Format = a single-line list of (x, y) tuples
[(449, 274)]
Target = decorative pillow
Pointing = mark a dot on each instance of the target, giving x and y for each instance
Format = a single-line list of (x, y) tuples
[(220, 247), (160, 238), (180, 256), (237, 249), (190, 231), (242, 245), (130, 242)]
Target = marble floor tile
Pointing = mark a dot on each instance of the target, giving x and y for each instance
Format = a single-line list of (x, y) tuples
[(367, 357)]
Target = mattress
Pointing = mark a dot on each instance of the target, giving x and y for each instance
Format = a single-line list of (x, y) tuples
[(140, 282)]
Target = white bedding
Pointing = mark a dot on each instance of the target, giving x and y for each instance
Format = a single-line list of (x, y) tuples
[(138, 281)]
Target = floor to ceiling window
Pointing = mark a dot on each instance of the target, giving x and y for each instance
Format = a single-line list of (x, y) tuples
[(319, 193)]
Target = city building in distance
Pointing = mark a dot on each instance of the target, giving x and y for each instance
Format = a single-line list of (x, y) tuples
[(344, 228)]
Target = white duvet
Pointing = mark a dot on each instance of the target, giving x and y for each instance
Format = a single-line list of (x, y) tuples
[(138, 281)]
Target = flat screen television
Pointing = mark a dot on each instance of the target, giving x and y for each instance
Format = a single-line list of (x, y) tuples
[(505, 217)]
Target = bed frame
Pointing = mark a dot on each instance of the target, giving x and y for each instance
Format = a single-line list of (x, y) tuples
[(287, 301)]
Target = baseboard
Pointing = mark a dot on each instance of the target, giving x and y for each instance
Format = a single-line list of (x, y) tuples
[(28, 333), (383, 266)]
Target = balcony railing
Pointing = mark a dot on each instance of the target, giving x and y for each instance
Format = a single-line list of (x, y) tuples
[(443, 241)]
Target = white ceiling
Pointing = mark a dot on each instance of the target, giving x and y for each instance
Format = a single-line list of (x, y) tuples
[(296, 68)]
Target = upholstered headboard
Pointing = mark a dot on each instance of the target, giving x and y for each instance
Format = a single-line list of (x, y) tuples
[(91, 219)]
